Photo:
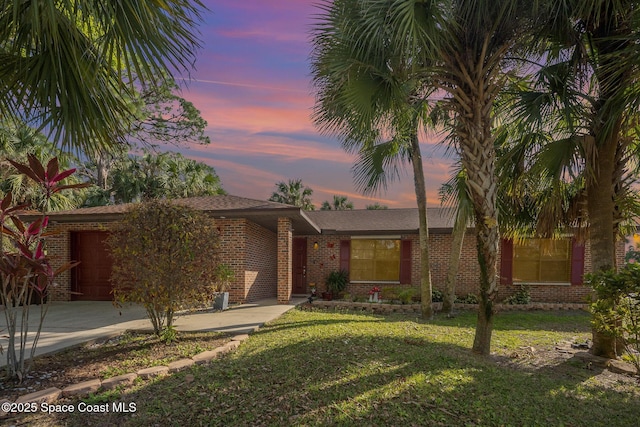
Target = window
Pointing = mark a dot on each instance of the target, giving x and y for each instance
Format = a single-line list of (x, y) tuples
[(542, 261), (375, 260)]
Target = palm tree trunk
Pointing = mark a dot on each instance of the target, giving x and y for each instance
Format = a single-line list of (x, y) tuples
[(421, 198), (601, 208), (459, 229), (478, 157)]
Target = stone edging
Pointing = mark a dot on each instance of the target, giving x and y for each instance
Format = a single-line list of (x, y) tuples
[(437, 306), (84, 388)]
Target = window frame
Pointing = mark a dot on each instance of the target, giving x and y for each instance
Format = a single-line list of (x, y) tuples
[(395, 238)]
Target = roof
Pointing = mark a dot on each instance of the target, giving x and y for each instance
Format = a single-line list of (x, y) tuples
[(266, 214), (383, 221)]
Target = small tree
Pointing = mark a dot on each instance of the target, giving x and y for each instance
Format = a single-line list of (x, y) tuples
[(26, 273), (165, 257)]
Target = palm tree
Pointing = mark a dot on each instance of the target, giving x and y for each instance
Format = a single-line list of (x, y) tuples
[(72, 67), (293, 193), (153, 175), (340, 203), (588, 95), (460, 48), (370, 97)]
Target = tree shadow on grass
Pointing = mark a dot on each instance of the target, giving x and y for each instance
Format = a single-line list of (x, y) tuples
[(334, 372)]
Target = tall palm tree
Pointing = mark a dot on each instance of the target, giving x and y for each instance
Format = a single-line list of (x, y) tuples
[(340, 203), (370, 96), (70, 67), (460, 48), (293, 193), (588, 95)]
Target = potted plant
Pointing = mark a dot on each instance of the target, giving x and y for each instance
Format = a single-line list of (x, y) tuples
[(336, 282), (224, 277)]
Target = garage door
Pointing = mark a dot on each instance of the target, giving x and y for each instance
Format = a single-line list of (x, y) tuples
[(90, 279)]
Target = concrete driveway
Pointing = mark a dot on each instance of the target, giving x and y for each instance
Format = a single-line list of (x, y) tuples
[(71, 323)]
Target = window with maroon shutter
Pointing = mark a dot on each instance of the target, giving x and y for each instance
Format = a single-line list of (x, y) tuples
[(541, 261), (375, 259)]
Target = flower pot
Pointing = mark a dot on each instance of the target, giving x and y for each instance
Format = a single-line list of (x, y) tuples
[(221, 301), (327, 296)]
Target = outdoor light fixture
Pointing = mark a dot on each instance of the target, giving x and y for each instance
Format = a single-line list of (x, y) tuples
[(315, 246)]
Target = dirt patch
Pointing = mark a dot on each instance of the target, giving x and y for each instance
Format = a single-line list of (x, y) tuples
[(561, 360), (104, 359)]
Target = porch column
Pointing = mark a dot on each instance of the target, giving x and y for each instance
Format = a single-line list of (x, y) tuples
[(285, 260)]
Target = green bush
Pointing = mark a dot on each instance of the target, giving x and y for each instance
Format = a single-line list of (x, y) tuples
[(337, 281), (406, 296), (521, 296), (616, 310), (437, 296), (468, 299), (165, 257), (390, 293)]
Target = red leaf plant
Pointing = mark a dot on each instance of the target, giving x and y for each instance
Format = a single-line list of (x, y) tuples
[(26, 273)]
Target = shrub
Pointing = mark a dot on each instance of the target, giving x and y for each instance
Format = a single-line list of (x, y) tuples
[(406, 296), (616, 311), (521, 296), (390, 293), (165, 258), (337, 281), (468, 299), (437, 296), (224, 276)]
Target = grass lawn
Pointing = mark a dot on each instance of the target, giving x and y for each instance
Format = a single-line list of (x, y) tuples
[(338, 368)]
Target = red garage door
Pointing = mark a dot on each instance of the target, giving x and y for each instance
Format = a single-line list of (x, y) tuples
[(90, 279)]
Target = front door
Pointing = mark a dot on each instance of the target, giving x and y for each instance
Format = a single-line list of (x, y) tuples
[(299, 265)]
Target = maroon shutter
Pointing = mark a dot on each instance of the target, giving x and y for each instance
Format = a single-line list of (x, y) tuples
[(345, 254), (577, 261), (405, 261), (506, 262)]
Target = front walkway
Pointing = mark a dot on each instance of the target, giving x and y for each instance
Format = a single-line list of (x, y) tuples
[(71, 323)]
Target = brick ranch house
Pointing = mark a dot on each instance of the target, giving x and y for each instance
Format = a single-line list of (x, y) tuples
[(278, 250)]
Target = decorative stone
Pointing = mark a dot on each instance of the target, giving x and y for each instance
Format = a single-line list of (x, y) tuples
[(181, 364), (82, 389), (49, 395), (241, 337), (154, 371), (113, 382), (207, 356), (230, 346), (620, 367)]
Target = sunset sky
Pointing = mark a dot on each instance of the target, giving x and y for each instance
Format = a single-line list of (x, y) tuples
[(252, 84)]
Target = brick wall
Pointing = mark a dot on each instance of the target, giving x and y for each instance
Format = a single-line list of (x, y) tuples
[(232, 252), (261, 263), (247, 248), (327, 258)]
